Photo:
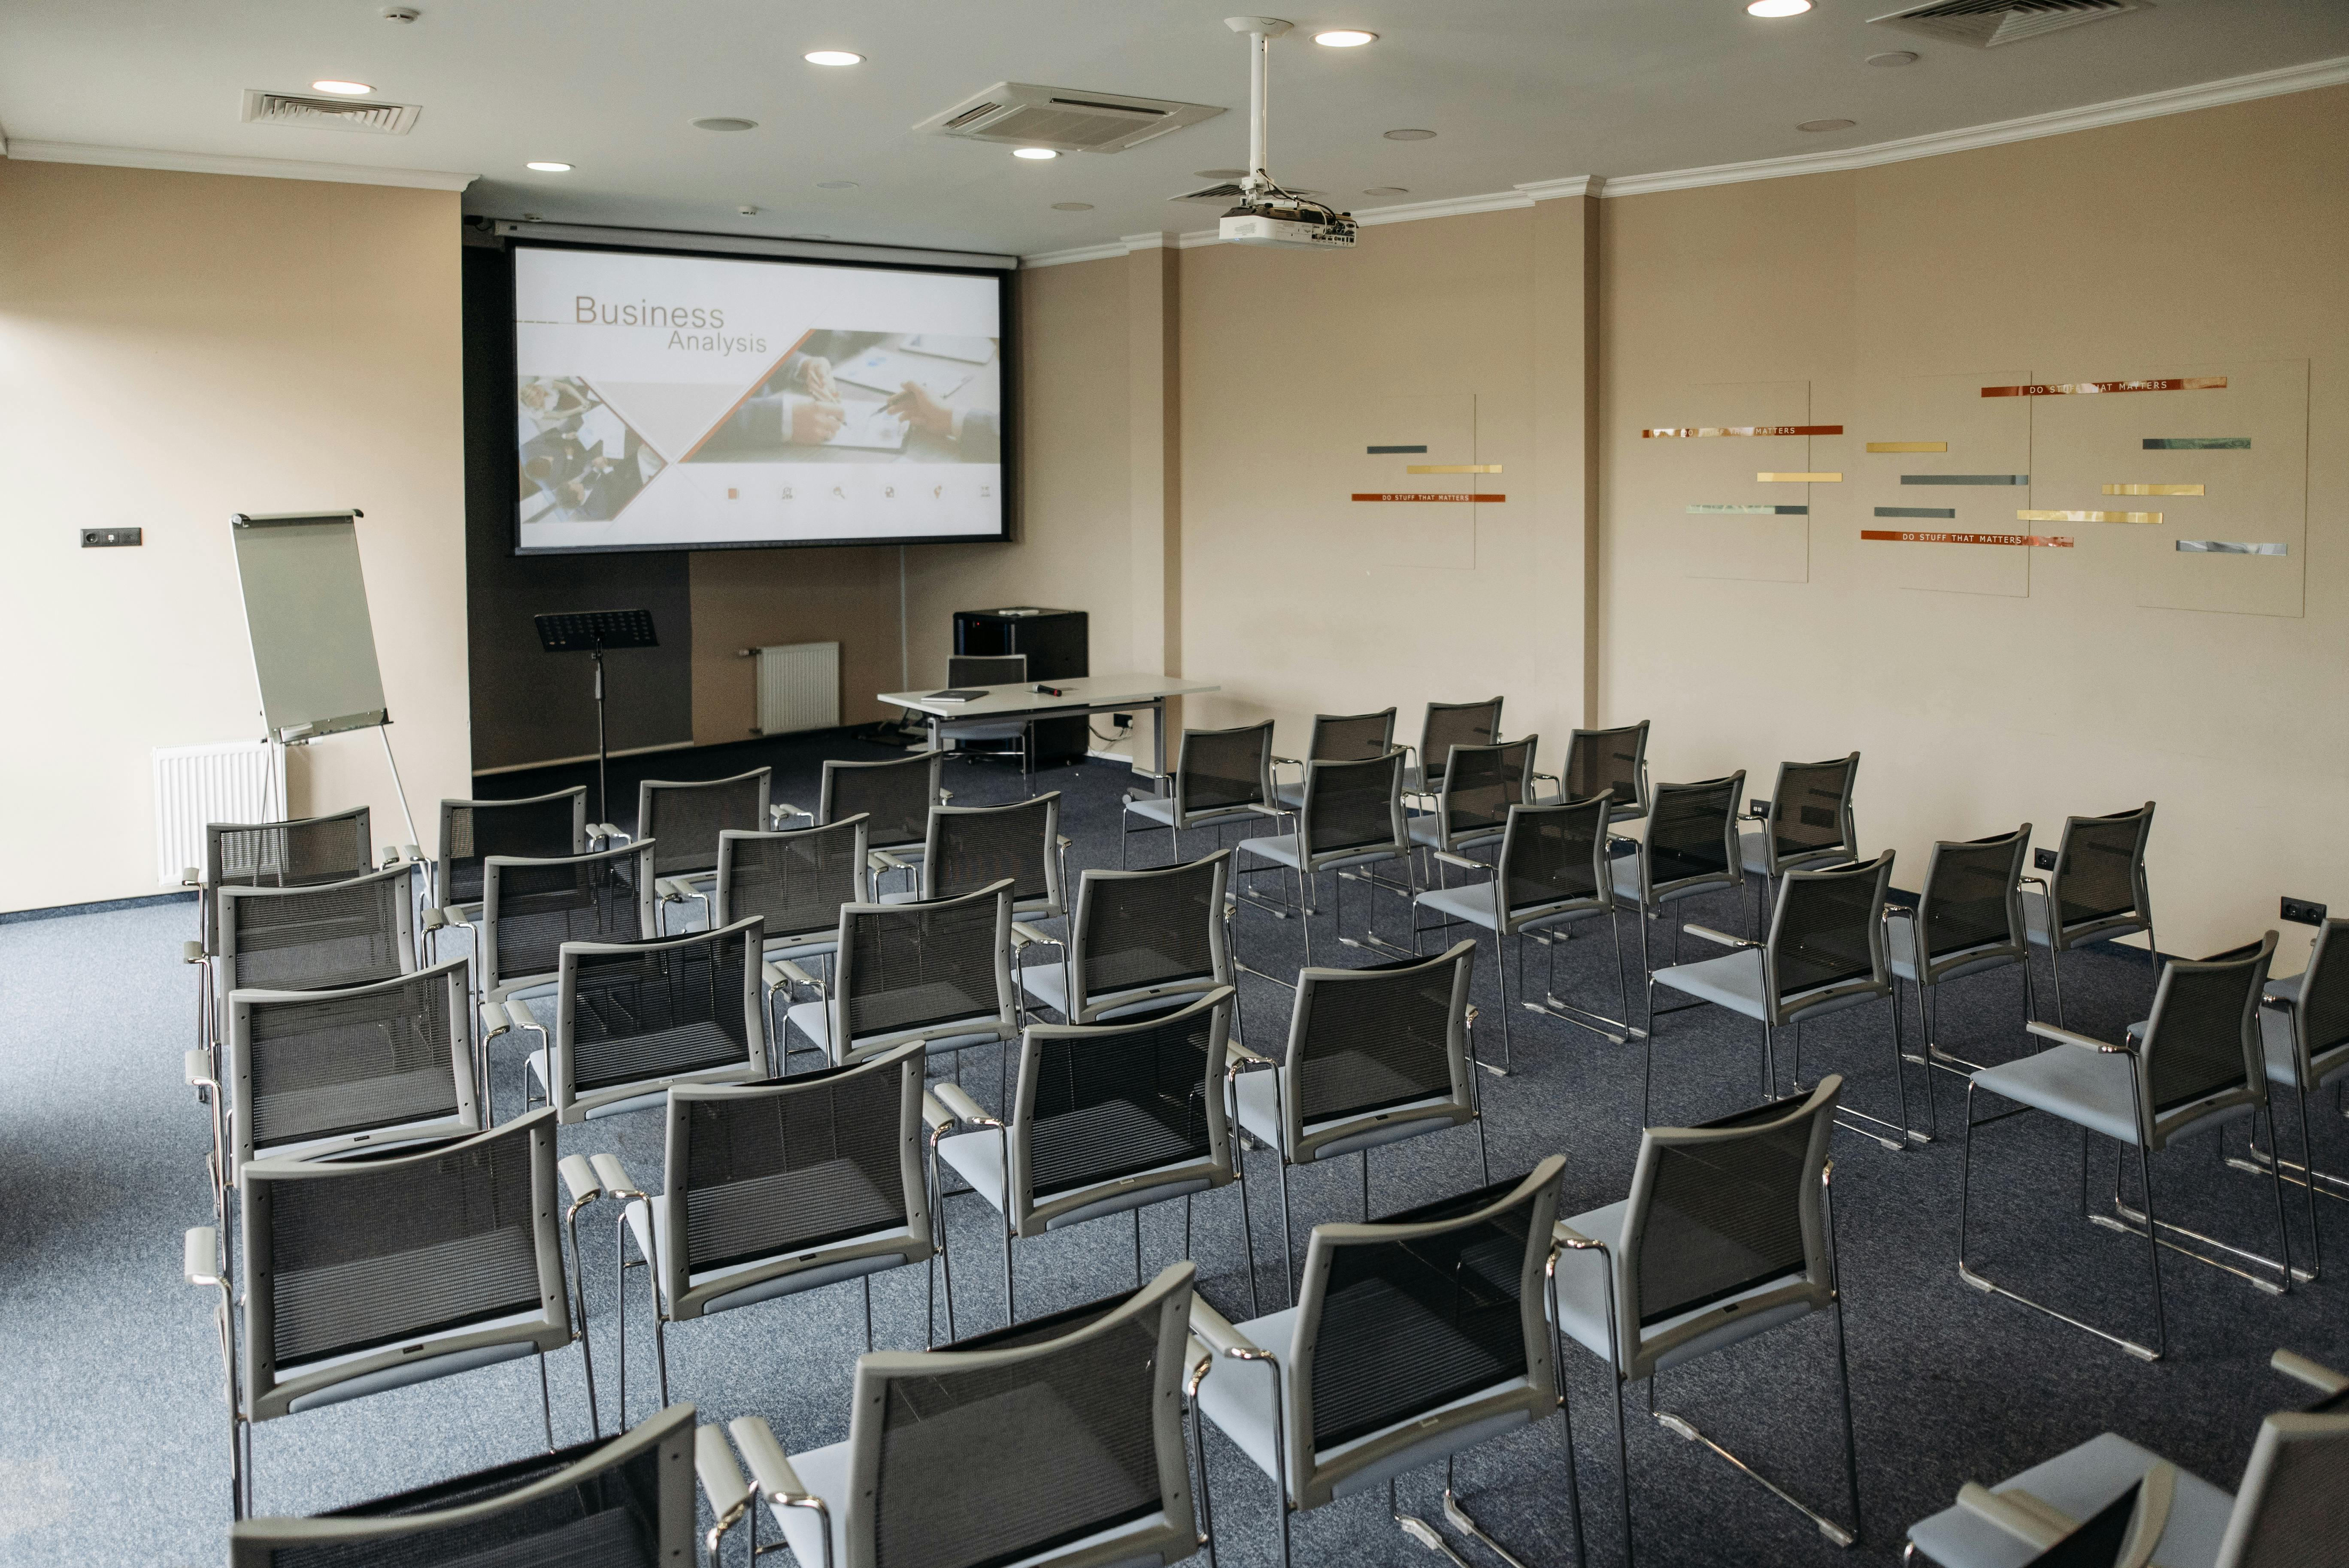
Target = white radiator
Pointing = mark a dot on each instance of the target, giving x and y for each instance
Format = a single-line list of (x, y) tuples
[(799, 687), (196, 786)]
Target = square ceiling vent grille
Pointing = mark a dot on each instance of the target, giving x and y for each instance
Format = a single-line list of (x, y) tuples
[(1065, 119), (308, 113), (1987, 23)]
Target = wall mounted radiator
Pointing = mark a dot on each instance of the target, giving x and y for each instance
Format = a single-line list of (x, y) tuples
[(799, 687), (196, 786)]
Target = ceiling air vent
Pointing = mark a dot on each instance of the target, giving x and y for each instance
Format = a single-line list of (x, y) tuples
[(1066, 119), (1987, 23), (327, 113)]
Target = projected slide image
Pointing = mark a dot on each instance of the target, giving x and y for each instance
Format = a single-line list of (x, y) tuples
[(867, 396), (580, 460)]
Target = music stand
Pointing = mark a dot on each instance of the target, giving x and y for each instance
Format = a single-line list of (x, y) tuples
[(593, 632)]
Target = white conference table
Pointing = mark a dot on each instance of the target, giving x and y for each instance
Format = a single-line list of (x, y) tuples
[(1079, 696)]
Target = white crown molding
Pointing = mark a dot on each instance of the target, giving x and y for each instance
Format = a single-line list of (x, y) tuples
[(1115, 250), (1574, 185), (220, 163), (1147, 242), (1452, 207), (2088, 116)]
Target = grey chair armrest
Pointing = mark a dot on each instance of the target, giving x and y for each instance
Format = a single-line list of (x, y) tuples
[(191, 953), (436, 919), (965, 1108), (2073, 1037), (778, 972), (670, 890), (200, 1259), (579, 1178), (882, 860), (191, 877), (1023, 934), (449, 916), (608, 830), (779, 810), (613, 1176), (937, 1117), (721, 1478), (523, 1017), (2323, 1380), (1449, 859), (1574, 1241), (494, 1021), (2032, 1523), (1243, 1057), (1710, 935), (196, 1068), (1214, 1330), (771, 1468), (1292, 761)]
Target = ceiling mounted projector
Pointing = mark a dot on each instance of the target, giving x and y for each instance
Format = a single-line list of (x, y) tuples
[(1268, 214)]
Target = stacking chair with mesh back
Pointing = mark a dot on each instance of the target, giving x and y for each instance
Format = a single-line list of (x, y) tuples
[(938, 971), (1825, 954), (365, 1274), (633, 1018), (540, 827), (1481, 783), (1447, 725), (2097, 889), (795, 880), (2304, 1021), (625, 1504), (894, 798), (1349, 822), (2193, 1066), (1336, 738), (315, 938), (980, 672), (1806, 824), (1968, 920), (1412, 1340), (686, 819), (971, 847), (300, 853), (1056, 1443), (772, 1189), (1221, 776), (1726, 1236), (1689, 849), (1551, 875), (2108, 1502), (1614, 760), (1106, 1119), (1374, 1056), (1140, 940)]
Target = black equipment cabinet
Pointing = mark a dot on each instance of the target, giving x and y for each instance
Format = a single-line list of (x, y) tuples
[(1056, 644)]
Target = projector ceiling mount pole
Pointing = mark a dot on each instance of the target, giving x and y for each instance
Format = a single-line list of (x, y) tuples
[(1261, 31)]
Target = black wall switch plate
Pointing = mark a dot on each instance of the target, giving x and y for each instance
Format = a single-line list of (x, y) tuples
[(107, 538), (2043, 859), (2304, 912)]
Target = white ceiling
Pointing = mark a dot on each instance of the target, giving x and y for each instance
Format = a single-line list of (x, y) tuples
[(1518, 90)]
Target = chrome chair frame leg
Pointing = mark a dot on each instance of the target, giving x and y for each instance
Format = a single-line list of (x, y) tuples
[(2134, 1223), (1599, 1024)]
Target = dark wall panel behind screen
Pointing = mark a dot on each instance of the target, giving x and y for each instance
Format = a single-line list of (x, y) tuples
[(529, 705)]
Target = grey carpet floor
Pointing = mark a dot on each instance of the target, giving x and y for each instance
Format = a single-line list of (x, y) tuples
[(112, 1438)]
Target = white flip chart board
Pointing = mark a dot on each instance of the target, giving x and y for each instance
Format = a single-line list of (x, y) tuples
[(305, 607)]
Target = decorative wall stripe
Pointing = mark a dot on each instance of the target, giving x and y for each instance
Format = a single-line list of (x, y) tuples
[(2083, 388), (2229, 547), (1425, 495), (1965, 478), (2087, 516), (1381, 451), (1799, 479), (1916, 511), (1907, 446), (2042, 541), (1746, 431), (1776, 510), (2198, 443), (1452, 468), (2153, 490)]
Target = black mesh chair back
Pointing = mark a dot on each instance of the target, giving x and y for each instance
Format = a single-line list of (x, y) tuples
[(1363, 1041), (633, 1017), (313, 1071), (1352, 736), (1481, 783), (2290, 1501), (971, 847), (1691, 837), (684, 819), (1556, 856), (2321, 1019), (1614, 761), (795, 880), (1398, 1319), (1972, 907), (2100, 870), (300, 853), (2201, 1051), (332, 935), (543, 827), (1826, 938), (1013, 1444), (1451, 724), (1811, 813), (936, 968), (792, 1175), (530, 908), (896, 796), (625, 1504), (1109, 1100), (1721, 1209), (1219, 769), (369, 1259), (986, 670), (1351, 808), (1139, 933)]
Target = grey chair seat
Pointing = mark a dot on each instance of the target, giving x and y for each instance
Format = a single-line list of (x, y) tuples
[(1260, 1115), (648, 1222), (1626, 884), (1734, 981), (2034, 922), (1478, 903), (1160, 809), (977, 1159), (983, 729), (656, 1093), (1753, 843), (2080, 1483), (1900, 953), (1048, 983), (1282, 850), (1583, 1282), (1427, 829), (2089, 1088), (813, 1019), (2275, 1040), (1244, 1408)]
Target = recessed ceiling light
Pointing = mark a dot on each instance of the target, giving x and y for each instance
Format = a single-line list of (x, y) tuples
[(1345, 39), (1893, 57), (342, 89), (1778, 8), (549, 168), (1388, 190), (1073, 206), (725, 122), (1826, 124), (832, 57), (835, 184), (1410, 136), (1038, 153)]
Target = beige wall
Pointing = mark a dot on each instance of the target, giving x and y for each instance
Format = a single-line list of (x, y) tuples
[(174, 348), (759, 598)]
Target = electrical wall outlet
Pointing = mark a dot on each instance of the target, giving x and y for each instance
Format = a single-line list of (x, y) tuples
[(1120, 721), (2043, 859), (105, 538), (1758, 807), (2304, 912)]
